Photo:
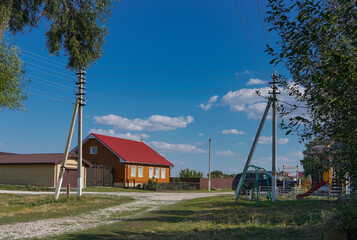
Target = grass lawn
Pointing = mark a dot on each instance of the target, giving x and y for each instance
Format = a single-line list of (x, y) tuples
[(23, 208), (219, 218)]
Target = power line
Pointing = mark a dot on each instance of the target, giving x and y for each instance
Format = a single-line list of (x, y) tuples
[(48, 69), (48, 59), (261, 21), (43, 95), (51, 85), (37, 59), (50, 74), (169, 69), (246, 35), (51, 82), (57, 96)]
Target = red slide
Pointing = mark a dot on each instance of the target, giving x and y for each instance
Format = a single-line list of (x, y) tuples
[(313, 189)]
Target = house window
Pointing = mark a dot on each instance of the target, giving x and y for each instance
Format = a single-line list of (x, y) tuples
[(162, 172), (151, 172), (133, 171), (93, 150), (157, 172), (140, 171)]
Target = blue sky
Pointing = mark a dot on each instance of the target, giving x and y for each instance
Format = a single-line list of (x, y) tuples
[(175, 73)]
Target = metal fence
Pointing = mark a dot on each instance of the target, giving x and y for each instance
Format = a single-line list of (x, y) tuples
[(178, 186)]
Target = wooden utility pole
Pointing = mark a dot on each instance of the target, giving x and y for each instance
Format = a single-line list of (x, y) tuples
[(209, 165), (80, 97)]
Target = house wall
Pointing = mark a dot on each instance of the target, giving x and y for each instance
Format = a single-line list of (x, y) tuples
[(122, 171), (28, 174), (105, 157), (146, 169)]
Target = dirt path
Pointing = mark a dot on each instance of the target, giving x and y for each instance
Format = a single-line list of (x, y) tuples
[(58, 226)]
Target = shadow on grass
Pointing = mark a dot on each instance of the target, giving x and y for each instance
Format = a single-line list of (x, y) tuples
[(231, 233)]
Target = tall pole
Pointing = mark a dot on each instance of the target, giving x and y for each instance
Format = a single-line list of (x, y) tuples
[(274, 138), (209, 166), (66, 151), (252, 150), (80, 94)]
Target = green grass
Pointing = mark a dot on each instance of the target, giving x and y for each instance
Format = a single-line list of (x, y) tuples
[(23, 208), (25, 188), (112, 189), (219, 218)]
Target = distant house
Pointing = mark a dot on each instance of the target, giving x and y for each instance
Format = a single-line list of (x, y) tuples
[(39, 169), (132, 161)]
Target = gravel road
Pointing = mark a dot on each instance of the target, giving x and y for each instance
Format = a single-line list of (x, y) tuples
[(58, 226)]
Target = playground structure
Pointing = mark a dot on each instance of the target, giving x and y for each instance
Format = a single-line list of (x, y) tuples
[(328, 180), (256, 184)]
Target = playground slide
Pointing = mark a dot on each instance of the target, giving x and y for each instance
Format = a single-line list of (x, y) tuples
[(313, 189)]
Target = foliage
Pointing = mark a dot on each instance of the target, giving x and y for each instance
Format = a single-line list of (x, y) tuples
[(151, 185), (187, 173), (220, 174), (11, 78), (318, 47), (313, 161), (77, 27)]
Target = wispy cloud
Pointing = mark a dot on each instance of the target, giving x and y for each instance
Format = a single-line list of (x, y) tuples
[(268, 140), (209, 103), (200, 134), (169, 147), (241, 143), (113, 133), (152, 123), (233, 131), (255, 81), (226, 153)]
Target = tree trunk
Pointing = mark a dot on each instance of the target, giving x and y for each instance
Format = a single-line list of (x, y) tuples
[(5, 13)]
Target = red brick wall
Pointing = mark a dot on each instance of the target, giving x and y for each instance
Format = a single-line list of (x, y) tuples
[(216, 183)]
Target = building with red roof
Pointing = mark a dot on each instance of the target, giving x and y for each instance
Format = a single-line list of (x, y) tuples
[(132, 162)]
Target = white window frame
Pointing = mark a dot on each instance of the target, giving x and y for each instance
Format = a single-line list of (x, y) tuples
[(93, 150), (133, 171), (151, 172), (140, 171), (163, 172), (157, 173)]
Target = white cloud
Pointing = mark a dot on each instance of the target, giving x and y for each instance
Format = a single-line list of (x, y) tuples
[(200, 134), (255, 81), (1, 145), (247, 100), (268, 140), (233, 131), (187, 148), (226, 153), (152, 123), (178, 162), (209, 103), (199, 143), (241, 143), (248, 72), (113, 133), (297, 154)]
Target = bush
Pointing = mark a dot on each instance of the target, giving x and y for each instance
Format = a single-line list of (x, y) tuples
[(138, 186)]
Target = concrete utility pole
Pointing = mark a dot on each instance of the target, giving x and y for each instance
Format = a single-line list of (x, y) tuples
[(81, 100), (274, 91), (66, 152), (209, 165)]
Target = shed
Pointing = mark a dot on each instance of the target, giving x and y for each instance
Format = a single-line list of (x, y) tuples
[(39, 169)]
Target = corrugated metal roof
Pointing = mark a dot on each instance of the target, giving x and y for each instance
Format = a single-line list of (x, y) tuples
[(132, 151), (38, 158)]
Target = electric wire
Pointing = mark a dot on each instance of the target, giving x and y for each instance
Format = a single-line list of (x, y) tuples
[(57, 96), (48, 59), (51, 85), (51, 82), (47, 69), (246, 35), (37, 59), (262, 23), (46, 96), (73, 80)]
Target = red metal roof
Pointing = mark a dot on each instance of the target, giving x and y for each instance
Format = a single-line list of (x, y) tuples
[(39, 158), (132, 151)]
